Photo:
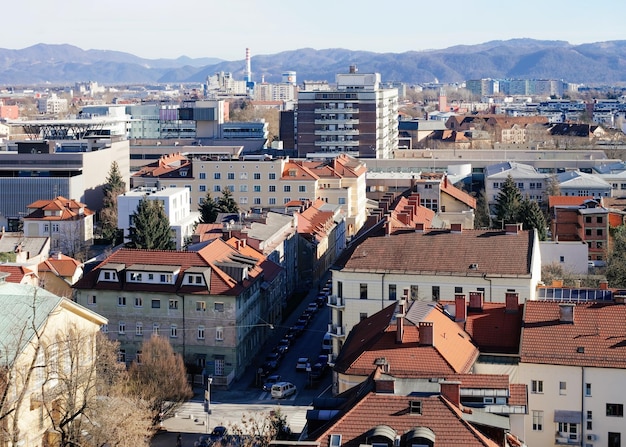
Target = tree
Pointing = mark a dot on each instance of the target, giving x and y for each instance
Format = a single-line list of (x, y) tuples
[(508, 202), (532, 218), (257, 430), (226, 203), (616, 263), (151, 228), (208, 209), (113, 187), (160, 379), (482, 219)]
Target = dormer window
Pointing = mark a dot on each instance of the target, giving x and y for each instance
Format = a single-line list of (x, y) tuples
[(136, 277), (335, 441), (415, 407)]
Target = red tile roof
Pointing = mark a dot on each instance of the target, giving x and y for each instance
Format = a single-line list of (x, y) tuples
[(16, 273), (457, 193), (567, 200), (70, 209), (437, 414), (519, 394), (444, 251), (60, 265), (596, 338), (493, 329)]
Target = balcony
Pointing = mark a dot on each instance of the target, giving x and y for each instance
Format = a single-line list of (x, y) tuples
[(353, 143), (337, 132), (336, 330), (336, 302), (337, 110), (336, 120)]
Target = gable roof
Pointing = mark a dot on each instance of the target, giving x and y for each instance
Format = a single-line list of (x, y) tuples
[(595, 338), (457, 193), (16, 273), (70, 209), (444, 251), (60, 265)]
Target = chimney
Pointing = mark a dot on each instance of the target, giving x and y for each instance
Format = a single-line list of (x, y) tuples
[(451, 390), (388, 225), (426, 334), (400, 322), (456, 228), (460, 309), (384, 386), (243, 243), (604, 284), (566, 313), (512, 302), (476, 301), (513, 228)]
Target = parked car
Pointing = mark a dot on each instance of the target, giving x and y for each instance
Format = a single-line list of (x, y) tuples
[(270, 381), (282, 390), (312, 307), (302, 364), (327, 344), (282, 347), (219, 431), (320, 301)]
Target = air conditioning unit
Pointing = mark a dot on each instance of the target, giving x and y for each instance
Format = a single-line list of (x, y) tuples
[(591, 437)]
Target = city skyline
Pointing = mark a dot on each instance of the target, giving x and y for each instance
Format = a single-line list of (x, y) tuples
[(225, 29)]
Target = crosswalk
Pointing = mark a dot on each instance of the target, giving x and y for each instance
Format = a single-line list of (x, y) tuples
[(266, 395)]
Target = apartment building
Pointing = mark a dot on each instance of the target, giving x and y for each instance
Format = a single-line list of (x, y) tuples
[(358, 116), (216, 306), (259, 183)]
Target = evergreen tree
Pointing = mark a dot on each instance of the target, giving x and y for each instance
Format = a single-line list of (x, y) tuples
[(616, 264), (508, 202), (482, 218), (113, 187), (226, 203), (532, 218), (151, 228), (208, 209)]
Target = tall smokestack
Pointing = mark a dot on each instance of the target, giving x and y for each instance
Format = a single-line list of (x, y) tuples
[(248, 67)]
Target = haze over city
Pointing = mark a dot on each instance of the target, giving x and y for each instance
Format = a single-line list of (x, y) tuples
[(194, 28)]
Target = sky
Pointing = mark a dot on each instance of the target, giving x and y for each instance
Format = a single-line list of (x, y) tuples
[(225, 28)]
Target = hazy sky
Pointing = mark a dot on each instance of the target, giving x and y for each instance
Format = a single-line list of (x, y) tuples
[(224, 28)]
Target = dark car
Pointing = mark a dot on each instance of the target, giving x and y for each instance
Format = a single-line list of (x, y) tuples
[(320, 301), (219, 431), (271, 380), (271, 361), (312, 307), (282, 347), (299, 327), (317, 371)]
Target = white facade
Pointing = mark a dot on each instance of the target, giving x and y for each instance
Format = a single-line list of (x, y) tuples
[(572, 256), (176, 204)]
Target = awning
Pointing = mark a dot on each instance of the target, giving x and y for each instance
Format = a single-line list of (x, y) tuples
[(571, 417), (420, 432)]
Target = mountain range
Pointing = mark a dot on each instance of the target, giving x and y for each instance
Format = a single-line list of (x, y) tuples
[(600, 63)]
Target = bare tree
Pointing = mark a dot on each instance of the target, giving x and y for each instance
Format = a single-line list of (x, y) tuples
[(160, 379), (257, 430)]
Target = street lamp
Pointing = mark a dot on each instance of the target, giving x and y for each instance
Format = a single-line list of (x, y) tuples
[(207, 397)]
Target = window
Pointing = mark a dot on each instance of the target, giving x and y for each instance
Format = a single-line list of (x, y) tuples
[(536, 386), (496, 185), (243, 200), (105, 329), (217, 188), (138, 302), (55, 228), (156, 304), (173, 331), (202, 175), (599, 219), (202, 188), (166, 278), (173, 304), (257, 188), (362, 316), (217, 176), (121, 355), (458, 290), (139, 329), (589, 425), (414, 291), (256, 200), (561, 258), (121, 328), (272, 200), (520, 185), (272, 176), (415, 407), (588, 219), (599, 232), (562, 388), (589, 414), (342, 201), (243, 188), (272, 188), (587, 389), (92, 300), (568, 430), (435, 293), (231, 176), (200, 332), (219, 307), (257, 176), (138, 357), (287, 188), (243, 176), (155, 329), (121, 301), (302, 188), (286, 200), (363, 291), (537, 420), (107, 275), (335, 441), (392, 292), (615, 410), (615, 439), (587, 231), (219, 333), (200, 306)]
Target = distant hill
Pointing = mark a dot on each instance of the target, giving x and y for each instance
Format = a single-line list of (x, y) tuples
[(601, 63)]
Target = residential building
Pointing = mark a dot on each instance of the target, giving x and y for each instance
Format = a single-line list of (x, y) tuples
[(67, 222), (176, 205), (358, 116), (577, 183), (262, 183), (58, 273), (572, 256), (572, 361), (14, 247), (32, 329), (529, 181), (51, 105), (432, 264), (217, 306), (76, 166), (19, 274)]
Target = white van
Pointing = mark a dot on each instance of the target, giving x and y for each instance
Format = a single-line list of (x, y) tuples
[(327, 344), (281, 390)]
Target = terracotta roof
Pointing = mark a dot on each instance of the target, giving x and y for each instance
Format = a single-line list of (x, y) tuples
[(208, 232), (495, 252), (567, 200), (437, 414), (519, 394), (70, 209), (493, 329), (375, 337), (458, 194), (596, 338), (60, 265), (17, 273), (167, 165)]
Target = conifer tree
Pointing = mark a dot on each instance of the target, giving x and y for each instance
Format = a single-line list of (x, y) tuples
[(532, 218), (482, 217), (208, 209), (508, 202), (150, 227), (113, 187), (226, 203)]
